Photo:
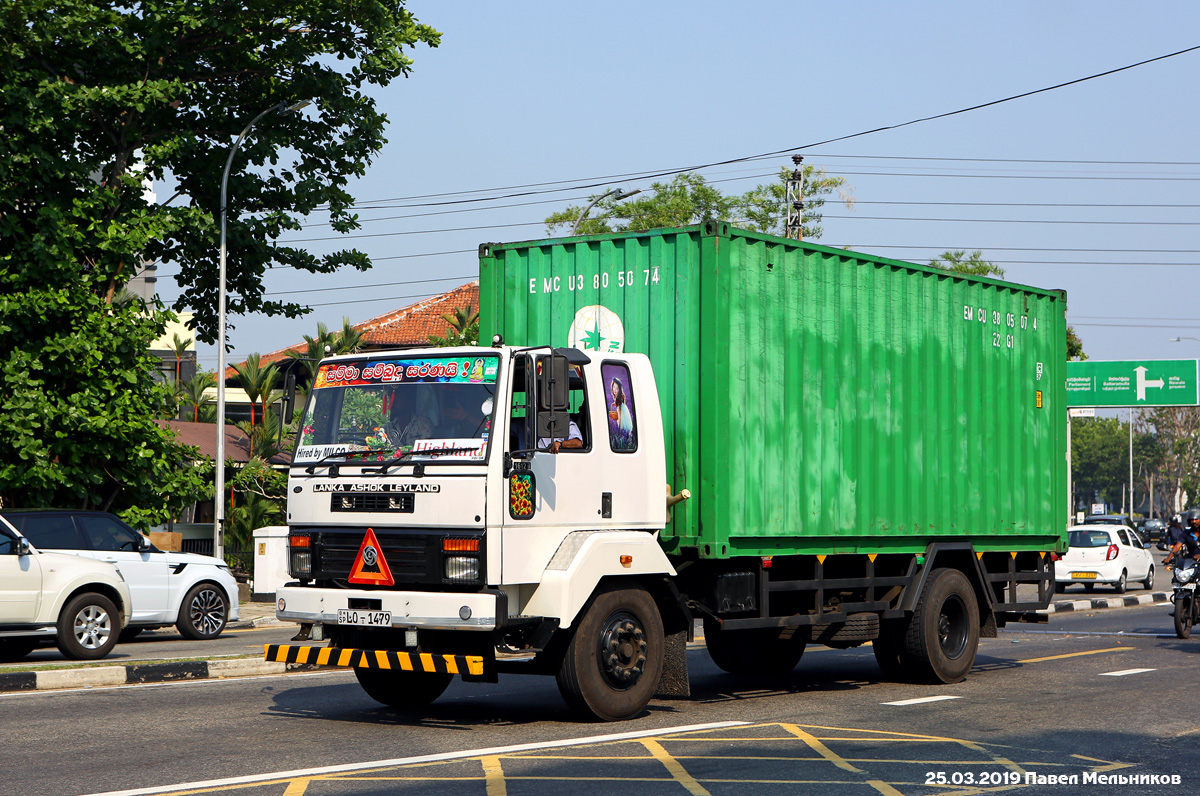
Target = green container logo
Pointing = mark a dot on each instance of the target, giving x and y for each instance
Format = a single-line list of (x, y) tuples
[(597, 328)]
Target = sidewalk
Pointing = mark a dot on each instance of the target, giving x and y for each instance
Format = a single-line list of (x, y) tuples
[(256, 615)]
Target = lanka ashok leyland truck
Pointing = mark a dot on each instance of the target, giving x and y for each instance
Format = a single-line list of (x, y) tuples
[(795, 444)]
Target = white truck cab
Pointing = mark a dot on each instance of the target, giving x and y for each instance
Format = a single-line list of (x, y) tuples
[(447, 503)]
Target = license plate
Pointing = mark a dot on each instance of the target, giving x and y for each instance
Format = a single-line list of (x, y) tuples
[(365, 618), (1083, 575)]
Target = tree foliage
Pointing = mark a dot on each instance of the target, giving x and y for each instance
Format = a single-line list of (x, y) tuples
[(689, 199), (1099, 458), (464, 329), (98, 99)]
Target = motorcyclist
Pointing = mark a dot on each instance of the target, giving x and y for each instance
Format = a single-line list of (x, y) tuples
[(1188, 545)]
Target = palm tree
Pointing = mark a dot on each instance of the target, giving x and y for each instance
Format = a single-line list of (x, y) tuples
[(349, 340), (258, 381), (314, 350), (464, 328), (193, 389), (179, 347)]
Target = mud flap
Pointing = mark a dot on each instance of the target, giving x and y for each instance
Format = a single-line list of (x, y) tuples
[(673, 682)]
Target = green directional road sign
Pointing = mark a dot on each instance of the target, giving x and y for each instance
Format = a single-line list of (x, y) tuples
[(1161, 382)]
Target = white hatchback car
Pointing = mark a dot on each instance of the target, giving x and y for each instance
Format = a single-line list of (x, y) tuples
[(196, 593), (1104, 553)]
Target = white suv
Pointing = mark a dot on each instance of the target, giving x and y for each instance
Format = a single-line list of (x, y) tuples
[(195, 593), (77, 601)]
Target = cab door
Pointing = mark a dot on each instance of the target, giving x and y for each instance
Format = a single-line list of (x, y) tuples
[(566, 494), (21, 579)]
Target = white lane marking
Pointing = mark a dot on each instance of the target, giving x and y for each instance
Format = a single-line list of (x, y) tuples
[(1065, 633), (922, 700), (1124, 672), (402, 761)]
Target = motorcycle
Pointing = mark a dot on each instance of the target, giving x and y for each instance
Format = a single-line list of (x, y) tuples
[(1187, 610)]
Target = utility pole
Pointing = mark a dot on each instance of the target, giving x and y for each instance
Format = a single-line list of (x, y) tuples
[(795, 201)]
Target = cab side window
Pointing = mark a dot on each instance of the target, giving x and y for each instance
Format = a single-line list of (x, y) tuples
[(105, 533), (8, 543), (578, 438)]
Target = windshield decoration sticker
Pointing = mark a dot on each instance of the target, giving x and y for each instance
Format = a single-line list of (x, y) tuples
[(480, 370), (597, 328), (370, 567), (466, 448)]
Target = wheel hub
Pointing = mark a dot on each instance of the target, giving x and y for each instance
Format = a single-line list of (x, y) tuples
[(622, 651)]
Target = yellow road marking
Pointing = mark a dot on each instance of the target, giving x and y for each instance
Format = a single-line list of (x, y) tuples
[(820, 748), (877, 784), (297, 787), (678, 772), (1074, 655), (1108, 766), (493, 773)]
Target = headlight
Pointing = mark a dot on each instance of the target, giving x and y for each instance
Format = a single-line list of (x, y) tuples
[(1184, 575), (301, 563), (462, 568)]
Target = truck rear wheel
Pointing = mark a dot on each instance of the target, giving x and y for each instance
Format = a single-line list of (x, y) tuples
[(402, 690), (611, 665), (943, 632), (751, 652)]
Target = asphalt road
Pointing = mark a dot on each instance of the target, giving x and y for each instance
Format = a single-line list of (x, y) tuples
[(1091, 694)]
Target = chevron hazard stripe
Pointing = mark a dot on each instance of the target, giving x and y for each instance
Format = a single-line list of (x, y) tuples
[(375, 659)]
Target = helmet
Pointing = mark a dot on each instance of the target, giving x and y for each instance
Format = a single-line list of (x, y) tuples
[(1193, 515)]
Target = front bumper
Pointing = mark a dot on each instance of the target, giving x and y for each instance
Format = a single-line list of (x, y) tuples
[(410, 609), (376, 659)]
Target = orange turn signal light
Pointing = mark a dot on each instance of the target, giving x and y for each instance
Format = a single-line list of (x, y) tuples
[(299, 540), (460, 545), (627, 561)]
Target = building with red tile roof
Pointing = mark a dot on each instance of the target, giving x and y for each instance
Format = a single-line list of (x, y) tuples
[(408, 327)]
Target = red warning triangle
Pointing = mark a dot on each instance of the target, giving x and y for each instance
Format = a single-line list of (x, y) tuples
[(371, 567)]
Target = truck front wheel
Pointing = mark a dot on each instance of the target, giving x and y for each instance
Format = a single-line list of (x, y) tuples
[(402, 690), (611, 665), (943, 632)]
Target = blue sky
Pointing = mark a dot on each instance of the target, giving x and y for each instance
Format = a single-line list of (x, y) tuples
[(540, 92)]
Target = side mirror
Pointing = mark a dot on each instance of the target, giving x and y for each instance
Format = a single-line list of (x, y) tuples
[(289, 398), (554, 383), (143, 544), (23, 547)]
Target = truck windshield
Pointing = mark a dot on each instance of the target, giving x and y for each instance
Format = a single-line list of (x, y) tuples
[(377, 409)]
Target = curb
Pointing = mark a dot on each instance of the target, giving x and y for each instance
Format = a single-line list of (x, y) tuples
[(1111, 602), (141, 673)]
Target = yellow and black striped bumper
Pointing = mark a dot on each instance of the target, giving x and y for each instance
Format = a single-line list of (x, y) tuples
[(375, 659)]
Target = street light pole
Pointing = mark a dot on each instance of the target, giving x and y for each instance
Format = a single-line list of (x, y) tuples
[(219, 486), (620, 195)]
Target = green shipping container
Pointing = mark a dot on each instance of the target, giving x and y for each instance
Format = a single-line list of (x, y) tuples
[(815, 400)]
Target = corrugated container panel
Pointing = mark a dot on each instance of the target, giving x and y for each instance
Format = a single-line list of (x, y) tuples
[(814, 399)]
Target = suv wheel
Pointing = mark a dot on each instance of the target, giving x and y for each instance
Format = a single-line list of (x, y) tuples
[(88, 627), (203, 614)]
